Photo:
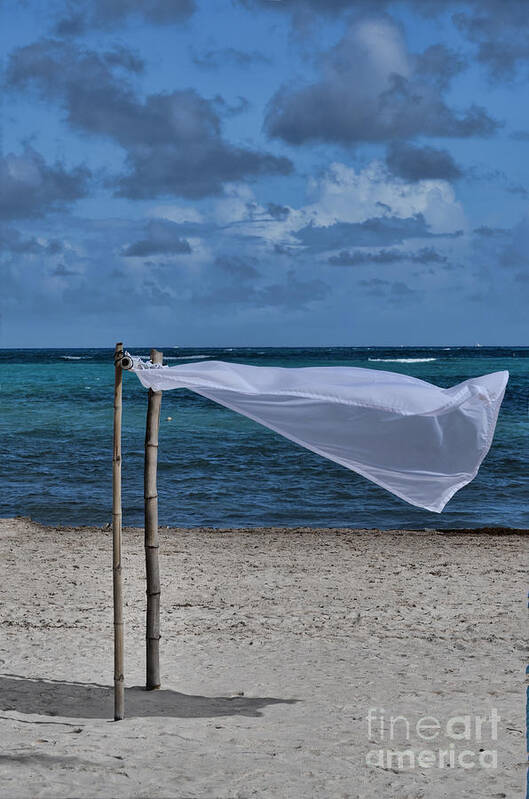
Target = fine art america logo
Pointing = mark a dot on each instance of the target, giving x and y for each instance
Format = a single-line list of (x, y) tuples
[(430, 742)]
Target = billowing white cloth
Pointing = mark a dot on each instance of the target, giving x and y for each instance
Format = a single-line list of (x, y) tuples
[(421, 442)]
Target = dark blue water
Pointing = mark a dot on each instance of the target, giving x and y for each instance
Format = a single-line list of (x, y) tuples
[(217, 468)]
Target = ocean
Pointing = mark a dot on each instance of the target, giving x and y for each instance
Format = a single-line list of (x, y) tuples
[(220, 469)]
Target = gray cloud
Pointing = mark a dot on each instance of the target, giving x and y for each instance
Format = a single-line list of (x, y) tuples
[(229, 56), (62, 271), (426, 255), (499, 29), (173, 142), (375, 232), (156, 295), (302, 10), (226, 110), (333, 7), (441, 64), (77, 16), (57, 69), (282, 249), (323, 6), (514, 256), (161, 238), (279, 212), (371, 90), (12, 240), (517, 188), (520, 135), (491, 232), (293, 294), (376, 287), (498, 176), (414, 163), (240, 267), (31, 187), (236, 280), (501, 249), (186, 154), (401, 289)]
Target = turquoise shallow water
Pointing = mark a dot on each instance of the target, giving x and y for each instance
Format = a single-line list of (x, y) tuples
[(217, 468)]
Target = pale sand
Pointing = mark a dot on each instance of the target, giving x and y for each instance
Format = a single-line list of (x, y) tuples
[(315, 627)]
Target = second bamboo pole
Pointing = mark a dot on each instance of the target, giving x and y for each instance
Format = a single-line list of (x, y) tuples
[(152, 567)]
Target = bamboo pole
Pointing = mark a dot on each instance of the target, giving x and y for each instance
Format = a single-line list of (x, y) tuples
[(152, 566), (119, 679)]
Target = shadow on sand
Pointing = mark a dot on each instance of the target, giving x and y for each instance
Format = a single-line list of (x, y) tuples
[(92, 701)]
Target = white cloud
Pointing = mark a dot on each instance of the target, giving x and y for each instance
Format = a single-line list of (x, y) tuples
[(344, 195), (176, 213), (235, 205)]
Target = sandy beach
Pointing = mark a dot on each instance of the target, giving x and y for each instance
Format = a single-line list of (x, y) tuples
[(282, 651)]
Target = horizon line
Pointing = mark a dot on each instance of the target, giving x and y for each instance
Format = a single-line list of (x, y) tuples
[(285, 346)]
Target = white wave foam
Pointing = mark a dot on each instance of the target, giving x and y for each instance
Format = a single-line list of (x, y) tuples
[(185, 357), (403, 360), (73, 357)]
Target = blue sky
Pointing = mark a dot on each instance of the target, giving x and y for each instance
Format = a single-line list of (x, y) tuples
[(264, 172)]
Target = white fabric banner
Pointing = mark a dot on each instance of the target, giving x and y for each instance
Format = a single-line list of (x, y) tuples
[(421, 442)]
